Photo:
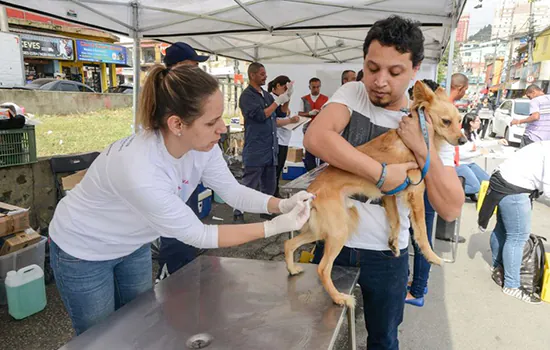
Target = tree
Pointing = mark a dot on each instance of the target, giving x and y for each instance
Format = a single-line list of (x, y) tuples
[(484, 34), (442, 66)]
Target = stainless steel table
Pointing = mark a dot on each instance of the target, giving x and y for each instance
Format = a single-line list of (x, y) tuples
[(231, 303)]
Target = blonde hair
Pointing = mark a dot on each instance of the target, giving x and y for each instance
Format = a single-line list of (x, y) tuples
[(181, 91)]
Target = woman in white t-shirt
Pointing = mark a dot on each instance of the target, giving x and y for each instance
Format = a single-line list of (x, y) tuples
[(467, 168), (133, 192), (277, 87)]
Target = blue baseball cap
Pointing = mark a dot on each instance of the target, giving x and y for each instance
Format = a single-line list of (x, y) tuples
[(179, 52)]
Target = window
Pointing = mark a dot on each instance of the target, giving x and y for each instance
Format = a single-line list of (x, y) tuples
[(67, 87), (84, 88), (521, 108), (507, 106)]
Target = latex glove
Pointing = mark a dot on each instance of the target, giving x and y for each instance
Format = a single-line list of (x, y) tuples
[(286, 205), (313, 112), (288, 222), (282, 99), (290, 88)]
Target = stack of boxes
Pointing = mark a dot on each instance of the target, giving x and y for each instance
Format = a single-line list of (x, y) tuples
[(20, 245)]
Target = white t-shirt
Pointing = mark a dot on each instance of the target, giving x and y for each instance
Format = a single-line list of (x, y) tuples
[(135, 191), (373, 230), (529, 167), (283, 135), (471, 149)]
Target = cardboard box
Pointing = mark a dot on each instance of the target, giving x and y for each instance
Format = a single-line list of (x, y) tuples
[(295, 155), (12, 219), (18, 241), (69, 182)]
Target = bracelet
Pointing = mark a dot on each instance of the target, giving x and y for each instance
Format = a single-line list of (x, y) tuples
[(380, 182)]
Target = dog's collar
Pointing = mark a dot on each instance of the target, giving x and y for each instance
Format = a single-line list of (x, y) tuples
[(425, 168)]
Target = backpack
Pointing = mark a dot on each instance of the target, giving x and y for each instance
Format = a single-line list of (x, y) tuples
[(532, 266)]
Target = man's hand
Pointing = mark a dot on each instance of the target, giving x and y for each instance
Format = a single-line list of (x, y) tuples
[(282, 99), (290, 88), (396, 174), (295, 119), (515, 122), (313, 112), (411, 134)]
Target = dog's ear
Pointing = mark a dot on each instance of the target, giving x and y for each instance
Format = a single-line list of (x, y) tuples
[(440, 92), (422, 92)]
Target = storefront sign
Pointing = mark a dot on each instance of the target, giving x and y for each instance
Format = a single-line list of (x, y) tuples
[(93, 51), (47, 47)]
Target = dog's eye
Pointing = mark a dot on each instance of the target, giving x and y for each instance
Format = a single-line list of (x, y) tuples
[(446, 122)]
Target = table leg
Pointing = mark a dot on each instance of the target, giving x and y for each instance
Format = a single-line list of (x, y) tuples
[(352, 341)]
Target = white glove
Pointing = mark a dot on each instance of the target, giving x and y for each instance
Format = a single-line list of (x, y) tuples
[(313, 112), (292, 221), (286, 205), (282, 99), (289, 88)]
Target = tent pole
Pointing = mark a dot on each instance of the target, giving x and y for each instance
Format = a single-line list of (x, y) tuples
[(136, 60), (451, 55)]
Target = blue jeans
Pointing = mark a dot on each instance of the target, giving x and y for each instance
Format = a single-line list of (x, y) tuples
[(473, 175), (383, 281), (510, 234), (92, 290), (421, 267)]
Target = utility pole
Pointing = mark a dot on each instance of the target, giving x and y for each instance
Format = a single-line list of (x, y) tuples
[(3, 20), (531, 39), (509, 64)]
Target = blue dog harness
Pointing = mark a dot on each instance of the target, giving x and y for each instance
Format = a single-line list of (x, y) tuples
[(404, 185)]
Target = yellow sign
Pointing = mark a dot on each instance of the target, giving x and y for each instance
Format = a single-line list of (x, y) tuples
[(542, 47)]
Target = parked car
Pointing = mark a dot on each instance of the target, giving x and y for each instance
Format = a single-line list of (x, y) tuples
[(504, 114), (121, 89), (51, 84), (462, 105)]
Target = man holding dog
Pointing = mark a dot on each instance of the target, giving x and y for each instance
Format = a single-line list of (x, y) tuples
[(356, 113)]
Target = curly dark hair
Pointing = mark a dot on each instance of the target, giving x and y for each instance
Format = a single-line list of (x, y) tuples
[(280, 80), (403, 34)]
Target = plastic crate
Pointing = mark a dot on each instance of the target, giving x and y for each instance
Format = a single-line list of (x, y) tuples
[(17, 146), (34, 254)]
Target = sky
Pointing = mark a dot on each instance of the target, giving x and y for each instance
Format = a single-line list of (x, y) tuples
[(479, 18)]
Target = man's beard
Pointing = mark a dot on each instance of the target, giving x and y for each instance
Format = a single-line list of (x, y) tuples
[(381, 104)]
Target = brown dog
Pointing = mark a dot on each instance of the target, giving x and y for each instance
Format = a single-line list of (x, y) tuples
[(333, 216)]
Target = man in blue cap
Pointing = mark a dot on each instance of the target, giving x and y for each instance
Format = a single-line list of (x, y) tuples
[(173, 254), (182, 53)]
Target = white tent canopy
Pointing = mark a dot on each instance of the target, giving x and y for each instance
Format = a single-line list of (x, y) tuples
[(269, 31)]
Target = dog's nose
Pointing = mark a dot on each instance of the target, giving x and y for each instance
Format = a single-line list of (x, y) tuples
[(462, 141)]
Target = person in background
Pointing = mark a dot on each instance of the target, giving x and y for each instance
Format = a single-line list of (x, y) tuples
[(182, 53), (467, 168), (310, 107), (393, 52), (101, 231), (538, 122), (277, 87), (521, 177), (347, 76), (485, 113), (261, 147), (173, 253), (459, 85), (359, 75)]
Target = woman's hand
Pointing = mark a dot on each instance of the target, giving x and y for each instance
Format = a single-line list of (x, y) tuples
[(292, 221), (396, 174), (294, 119), (286, 205)]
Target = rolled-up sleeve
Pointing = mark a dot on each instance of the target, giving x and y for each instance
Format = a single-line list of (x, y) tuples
[(252, 106)]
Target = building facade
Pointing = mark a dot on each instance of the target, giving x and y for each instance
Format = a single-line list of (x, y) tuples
[(462, 28)]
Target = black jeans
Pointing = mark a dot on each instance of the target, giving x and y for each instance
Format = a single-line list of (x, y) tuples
[(281, 159), (383, 281), (525, 141), (260, 178)]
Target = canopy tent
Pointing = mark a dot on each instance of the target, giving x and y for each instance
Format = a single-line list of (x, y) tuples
[(268, 31)]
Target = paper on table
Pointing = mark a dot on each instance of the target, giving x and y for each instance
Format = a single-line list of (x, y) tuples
[(293, 126)]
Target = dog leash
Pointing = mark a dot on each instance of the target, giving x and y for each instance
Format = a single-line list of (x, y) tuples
[(408, 181)]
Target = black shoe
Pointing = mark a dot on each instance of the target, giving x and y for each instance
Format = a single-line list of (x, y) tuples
[(473, 197), (238, 219)]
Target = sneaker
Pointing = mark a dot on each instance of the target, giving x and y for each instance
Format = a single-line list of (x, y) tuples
[(522, 295), (238, 219)]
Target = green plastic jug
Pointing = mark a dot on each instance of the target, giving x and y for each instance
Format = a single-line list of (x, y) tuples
[(25, 291)]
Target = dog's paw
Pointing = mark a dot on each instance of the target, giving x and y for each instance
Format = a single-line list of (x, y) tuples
[(393, 244), (294, 270), (345, 299)]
